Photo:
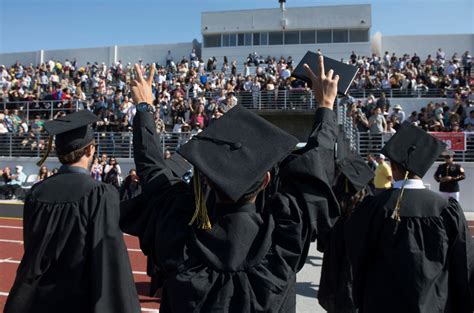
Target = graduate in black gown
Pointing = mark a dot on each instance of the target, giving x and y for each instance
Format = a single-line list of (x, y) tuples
[(335, 287), (233, 256), (75, 259), (410, 249)]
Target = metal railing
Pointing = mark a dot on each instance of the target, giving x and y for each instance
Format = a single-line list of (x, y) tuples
[(373, 143), (119, 145), (404, 93), (46, 109), (294, 99)]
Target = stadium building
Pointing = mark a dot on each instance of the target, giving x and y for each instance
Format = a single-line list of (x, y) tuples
[(336, 30)]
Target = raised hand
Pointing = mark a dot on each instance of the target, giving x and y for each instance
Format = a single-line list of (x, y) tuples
[(324, 85), (141, 87)]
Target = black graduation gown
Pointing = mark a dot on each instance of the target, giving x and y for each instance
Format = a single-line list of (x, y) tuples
[(423, 264), (248, 261), (335, 286), (75, 258)]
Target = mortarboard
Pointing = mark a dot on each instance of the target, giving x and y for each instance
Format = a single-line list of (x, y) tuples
[(236, 151), (356, 170), (73, 132), (178, 165), (413, 149), (346, 72)]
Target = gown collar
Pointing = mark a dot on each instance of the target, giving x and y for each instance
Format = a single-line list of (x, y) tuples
[(72, 169), (411, 184)]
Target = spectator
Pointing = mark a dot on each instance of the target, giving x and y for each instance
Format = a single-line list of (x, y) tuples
[(96, 169), (448, 175), (42, 174), (131, 186), (470, 119), (19, 177), (398, 113), (383, 175), (377, 123), (383, 103), (112, 173), (467, 64)]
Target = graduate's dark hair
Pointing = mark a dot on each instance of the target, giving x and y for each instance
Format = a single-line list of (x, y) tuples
[(402, 169), (73, 156)]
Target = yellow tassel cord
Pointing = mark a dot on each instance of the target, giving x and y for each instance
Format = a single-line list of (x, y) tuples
[(46, 154), (347, 186), (396, 212), (200, 214)]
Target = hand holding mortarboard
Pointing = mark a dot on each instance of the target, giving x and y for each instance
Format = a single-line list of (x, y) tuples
[(324, 85), (141, 87)]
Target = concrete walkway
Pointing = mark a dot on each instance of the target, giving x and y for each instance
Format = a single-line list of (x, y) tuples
[(307, 283)]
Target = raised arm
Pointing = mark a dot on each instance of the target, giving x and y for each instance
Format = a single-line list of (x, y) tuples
[(324, 131), (146, 142), (308, 174)]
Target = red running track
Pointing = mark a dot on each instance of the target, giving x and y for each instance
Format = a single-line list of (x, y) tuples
[(11, 252)]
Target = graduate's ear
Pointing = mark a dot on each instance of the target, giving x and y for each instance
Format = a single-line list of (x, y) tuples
[(89, 151), (266, 180)]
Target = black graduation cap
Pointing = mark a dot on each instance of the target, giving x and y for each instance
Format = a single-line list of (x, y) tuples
[(178, 165), (346, 72), (356, 170), (414, 149), (237, 149), (72, 132)]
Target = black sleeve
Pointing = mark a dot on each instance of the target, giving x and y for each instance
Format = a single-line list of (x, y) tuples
[(461, 258), (146, 147), (113, 288), (437, 173), (362, 230), (307, 177)]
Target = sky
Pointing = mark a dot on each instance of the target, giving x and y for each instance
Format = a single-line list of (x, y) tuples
[(29, 25)]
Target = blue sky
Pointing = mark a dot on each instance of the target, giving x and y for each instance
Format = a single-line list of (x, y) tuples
[(27, 25)]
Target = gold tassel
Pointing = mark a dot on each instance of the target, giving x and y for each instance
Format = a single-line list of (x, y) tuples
[(347, 186), (396, 212), (46, 154), (200, 212)]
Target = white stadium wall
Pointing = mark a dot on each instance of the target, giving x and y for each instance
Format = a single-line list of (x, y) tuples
[(321, 17), (153, 53), (8, 59), (101, 54), (108, 55), (429, 44)]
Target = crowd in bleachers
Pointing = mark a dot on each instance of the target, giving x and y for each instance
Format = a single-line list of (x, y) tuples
[(191, 92), (15, 182), (378, 116)]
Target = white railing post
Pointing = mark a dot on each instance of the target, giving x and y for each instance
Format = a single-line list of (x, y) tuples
[(10, 148)]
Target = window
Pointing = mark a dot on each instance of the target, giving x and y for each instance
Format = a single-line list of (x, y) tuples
[(240, 39), (275, 38), (340, 35), (248, 39), (308, 36), (212, 41), (359, 35), (225, 40), (232, 40), (256, 39), (292, 38), (324, 36), (264, 39)]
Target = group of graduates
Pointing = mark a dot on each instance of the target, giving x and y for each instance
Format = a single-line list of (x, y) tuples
[(234, 238)]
